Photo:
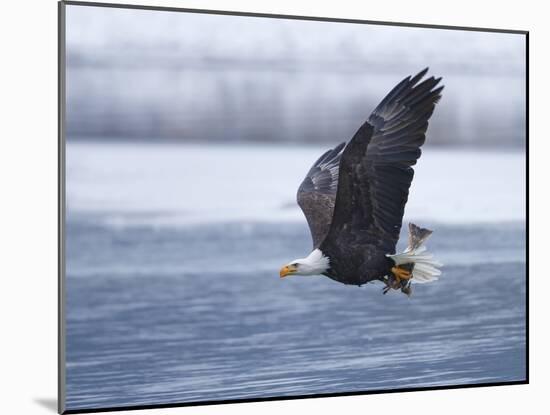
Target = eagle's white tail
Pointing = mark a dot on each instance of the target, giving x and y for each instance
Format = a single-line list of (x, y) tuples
[(426, 269)]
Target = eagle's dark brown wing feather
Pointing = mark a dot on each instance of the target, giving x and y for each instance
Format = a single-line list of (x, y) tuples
[(375, 173), (317, 193)]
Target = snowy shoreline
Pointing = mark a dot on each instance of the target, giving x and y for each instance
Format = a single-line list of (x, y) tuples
[(181, 184)]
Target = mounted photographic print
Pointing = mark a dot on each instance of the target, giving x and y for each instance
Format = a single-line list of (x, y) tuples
[(264, 207)]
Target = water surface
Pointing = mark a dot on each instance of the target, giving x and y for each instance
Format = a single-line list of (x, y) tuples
[(199, 313)]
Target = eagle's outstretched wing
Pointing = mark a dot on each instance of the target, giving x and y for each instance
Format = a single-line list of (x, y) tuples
[(317, 193), (375, 167)]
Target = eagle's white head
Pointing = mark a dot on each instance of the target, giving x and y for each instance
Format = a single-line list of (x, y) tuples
[(314, 264)]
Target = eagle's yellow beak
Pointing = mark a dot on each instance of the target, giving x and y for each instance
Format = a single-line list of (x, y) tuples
[(287, 270)]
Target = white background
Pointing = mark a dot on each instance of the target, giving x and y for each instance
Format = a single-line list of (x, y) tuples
[(28, 183)]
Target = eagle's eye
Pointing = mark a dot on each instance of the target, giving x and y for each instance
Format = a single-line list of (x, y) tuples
[(295, 265)]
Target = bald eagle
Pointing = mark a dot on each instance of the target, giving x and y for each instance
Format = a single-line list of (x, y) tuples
[(354, 196)]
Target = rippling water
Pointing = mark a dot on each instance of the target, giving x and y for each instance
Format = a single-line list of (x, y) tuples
[(194, 313)]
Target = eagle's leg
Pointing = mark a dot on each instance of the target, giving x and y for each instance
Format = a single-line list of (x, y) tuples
[(400, 278), (401, 274)]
